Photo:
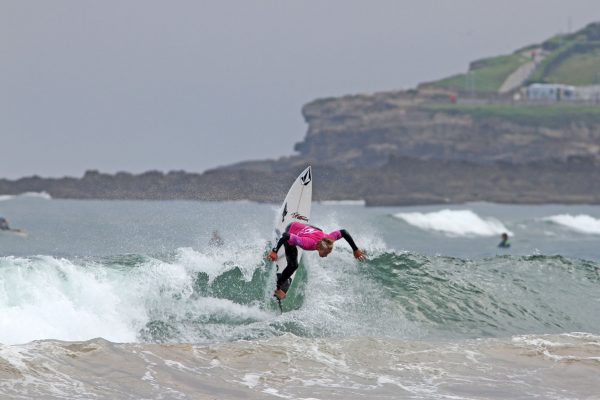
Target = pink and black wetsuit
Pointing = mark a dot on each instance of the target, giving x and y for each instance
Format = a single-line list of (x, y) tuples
[(306, 237)]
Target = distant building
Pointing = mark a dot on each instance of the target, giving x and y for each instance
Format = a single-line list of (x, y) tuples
[(589, 93), (551, 92)]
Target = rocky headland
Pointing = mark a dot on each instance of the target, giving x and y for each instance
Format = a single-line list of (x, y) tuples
[(433, 144), (394, 148)]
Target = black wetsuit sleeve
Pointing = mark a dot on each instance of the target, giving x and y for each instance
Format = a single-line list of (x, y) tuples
[(284, 238), (349, 239)]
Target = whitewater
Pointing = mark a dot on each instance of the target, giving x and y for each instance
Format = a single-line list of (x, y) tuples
[(128, 300)]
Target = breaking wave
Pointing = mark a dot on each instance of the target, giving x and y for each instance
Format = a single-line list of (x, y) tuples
[(226, 295), (581, 223), (455, 223), (39, 195)]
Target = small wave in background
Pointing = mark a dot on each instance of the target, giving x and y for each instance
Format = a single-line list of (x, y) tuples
[(37, 195), (455, 223), (579, 223)]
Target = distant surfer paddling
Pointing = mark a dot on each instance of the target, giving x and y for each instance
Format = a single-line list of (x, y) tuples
[(5, 227), (309, 238), (4, 224)]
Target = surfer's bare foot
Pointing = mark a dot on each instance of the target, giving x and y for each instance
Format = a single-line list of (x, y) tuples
[(280, 294)]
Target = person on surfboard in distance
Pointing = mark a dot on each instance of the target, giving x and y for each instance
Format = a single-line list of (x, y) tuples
[(309, 238)]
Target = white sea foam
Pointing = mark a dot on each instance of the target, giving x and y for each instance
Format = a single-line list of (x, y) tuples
[(571, 347), (455, 223), (293, 367), (251, 380), (580, 223), (44, 297), (52, 298)]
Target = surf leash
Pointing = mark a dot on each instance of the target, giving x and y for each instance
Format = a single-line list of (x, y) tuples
[(280, 307)]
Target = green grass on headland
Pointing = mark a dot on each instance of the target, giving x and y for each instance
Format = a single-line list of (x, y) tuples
[(572, 59), (485, 76), (575, 63), (578, 70), (552, 116)]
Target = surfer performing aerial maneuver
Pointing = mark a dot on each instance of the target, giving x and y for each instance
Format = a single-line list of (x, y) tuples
[(309, 238), (293, 234)]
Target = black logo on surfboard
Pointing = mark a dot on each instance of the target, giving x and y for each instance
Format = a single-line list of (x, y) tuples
[(284, 213), (299, 216), (306, 178)]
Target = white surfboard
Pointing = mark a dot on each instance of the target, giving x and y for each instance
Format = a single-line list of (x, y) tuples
[(295, 208), (15, 232)]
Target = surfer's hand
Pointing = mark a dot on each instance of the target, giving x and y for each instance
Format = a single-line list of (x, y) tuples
[(359, 255), (280, 294), (272, 256)]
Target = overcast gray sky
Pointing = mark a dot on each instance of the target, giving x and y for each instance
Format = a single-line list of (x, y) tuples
[(138, 85)]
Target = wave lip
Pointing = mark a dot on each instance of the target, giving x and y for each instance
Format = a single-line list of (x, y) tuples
[(455, 223), (581, 223)]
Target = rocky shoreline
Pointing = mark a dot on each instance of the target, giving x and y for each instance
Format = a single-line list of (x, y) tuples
[(401, 181)]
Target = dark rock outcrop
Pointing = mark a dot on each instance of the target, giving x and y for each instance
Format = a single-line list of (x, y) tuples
[(401, 181)]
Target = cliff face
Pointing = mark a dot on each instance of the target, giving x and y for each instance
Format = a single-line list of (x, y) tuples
[(368, 130), (409, 181)]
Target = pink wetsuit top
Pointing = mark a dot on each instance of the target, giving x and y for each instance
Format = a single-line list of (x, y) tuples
[(308, 237)]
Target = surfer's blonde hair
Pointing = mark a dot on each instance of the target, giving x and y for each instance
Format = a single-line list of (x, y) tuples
[(326, 244)]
